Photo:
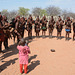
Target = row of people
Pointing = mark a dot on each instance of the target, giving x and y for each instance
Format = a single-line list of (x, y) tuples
[(42, 25), (19, 24)]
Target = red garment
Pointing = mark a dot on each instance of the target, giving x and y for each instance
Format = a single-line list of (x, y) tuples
[(1, 35), (25, 68)]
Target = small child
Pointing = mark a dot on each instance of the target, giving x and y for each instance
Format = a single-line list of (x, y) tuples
[(23, 55)]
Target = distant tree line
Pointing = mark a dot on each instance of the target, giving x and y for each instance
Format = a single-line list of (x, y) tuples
[(37, 11)]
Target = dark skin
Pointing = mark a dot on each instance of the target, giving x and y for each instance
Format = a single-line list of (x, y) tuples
[(19, 36), (30, 22), (59, 26), (29, 27), (52, 20), (2, 27), (68, 26), (13, 22), (67, 33), (44, 24), (37, 26), (51, 26), (73, 30), (17, 28), (6, 30), (59, 19), (22, 28), (6, 25)]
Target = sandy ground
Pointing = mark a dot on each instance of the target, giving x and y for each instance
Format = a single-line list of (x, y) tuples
[(41, 60)]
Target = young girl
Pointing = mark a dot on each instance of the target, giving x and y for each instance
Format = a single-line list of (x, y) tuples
[(23, 55)]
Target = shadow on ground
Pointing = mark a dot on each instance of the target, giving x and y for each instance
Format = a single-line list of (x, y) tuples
[(12, 51), (32, 57), (33, 65), (7, 63)]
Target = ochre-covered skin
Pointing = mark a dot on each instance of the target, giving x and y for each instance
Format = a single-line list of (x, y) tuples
[(37, 26), (51, 25), (68, 27)]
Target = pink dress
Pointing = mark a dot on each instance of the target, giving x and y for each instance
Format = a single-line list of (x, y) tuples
[(23, 54)]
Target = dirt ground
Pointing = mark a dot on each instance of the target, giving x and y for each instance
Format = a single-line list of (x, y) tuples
[(41, 60)]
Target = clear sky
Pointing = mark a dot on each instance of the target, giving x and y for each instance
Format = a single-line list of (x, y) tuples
[(15, 4)]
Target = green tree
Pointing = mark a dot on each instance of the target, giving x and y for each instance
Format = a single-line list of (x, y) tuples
[(43, 12), (23, 11), (5, 12)]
